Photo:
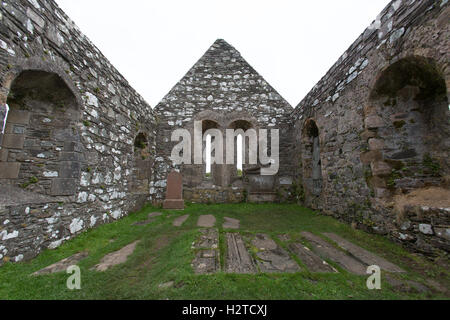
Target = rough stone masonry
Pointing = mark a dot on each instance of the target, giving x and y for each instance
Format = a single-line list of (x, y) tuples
[(82, 148)]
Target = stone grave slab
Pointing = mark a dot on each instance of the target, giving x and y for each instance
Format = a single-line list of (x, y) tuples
[(154, 214), (263, 242), (116, 258), (363, 255), (151, 218), (284, 237), (327, 251), (143, 223), (207, 256), (231, 223), (174, 192), (206, 221), (209, 239), (62, 265), (178, 222), (313, 262), (238, 258), (271, 258), (206, 262)]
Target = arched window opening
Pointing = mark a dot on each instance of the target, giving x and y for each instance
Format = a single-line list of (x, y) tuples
[(209, 154), (142, 165), (312, 165), (141, 145), (241, 147), (239, 161)]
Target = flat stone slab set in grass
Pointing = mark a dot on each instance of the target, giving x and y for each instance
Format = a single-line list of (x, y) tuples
[(270, 257), (209, 239), (62, 265), (363, 255), (108, 261), (116, 258), (231, 223), (150, 219), (178, 222), (355, 262), (207, 255), (312, 262), (327, 251), (238, 259), (206, 221)]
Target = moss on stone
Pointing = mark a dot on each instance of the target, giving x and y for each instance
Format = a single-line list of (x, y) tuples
[(432, 164), (395, 175), (32, 180)]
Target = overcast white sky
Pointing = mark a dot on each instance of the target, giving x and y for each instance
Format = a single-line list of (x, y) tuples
[(291, 43)]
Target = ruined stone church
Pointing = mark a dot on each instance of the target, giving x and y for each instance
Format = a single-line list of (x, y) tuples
[(82, 148)]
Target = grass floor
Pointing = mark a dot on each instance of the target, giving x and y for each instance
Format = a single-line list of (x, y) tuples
[(164, 254)]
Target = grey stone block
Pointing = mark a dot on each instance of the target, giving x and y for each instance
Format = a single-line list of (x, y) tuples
[(69, 169), (13, 141), (64, 187), (9, 170)]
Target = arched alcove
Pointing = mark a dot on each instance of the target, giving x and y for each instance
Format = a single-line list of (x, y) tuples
[(41, 150), (142, 165), (312, 165), (408, 121)]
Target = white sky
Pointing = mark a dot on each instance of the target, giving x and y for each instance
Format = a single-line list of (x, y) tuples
[(291, 43), (239, 153)]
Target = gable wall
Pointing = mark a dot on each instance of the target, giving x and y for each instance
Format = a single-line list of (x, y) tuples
[(221, 87)]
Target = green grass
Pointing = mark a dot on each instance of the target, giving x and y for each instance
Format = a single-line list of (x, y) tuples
[(164, 254)]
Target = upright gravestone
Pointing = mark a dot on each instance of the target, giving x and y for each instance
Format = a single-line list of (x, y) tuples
[(174, 194)]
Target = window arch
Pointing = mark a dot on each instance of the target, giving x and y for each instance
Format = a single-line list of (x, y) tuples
[(242, 156), (312, 164), (142, 165), (209, 153)]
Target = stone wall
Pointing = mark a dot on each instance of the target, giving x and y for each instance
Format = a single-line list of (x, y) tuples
[(382, 116), (215, 195), (224, 92), (68, 157)]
